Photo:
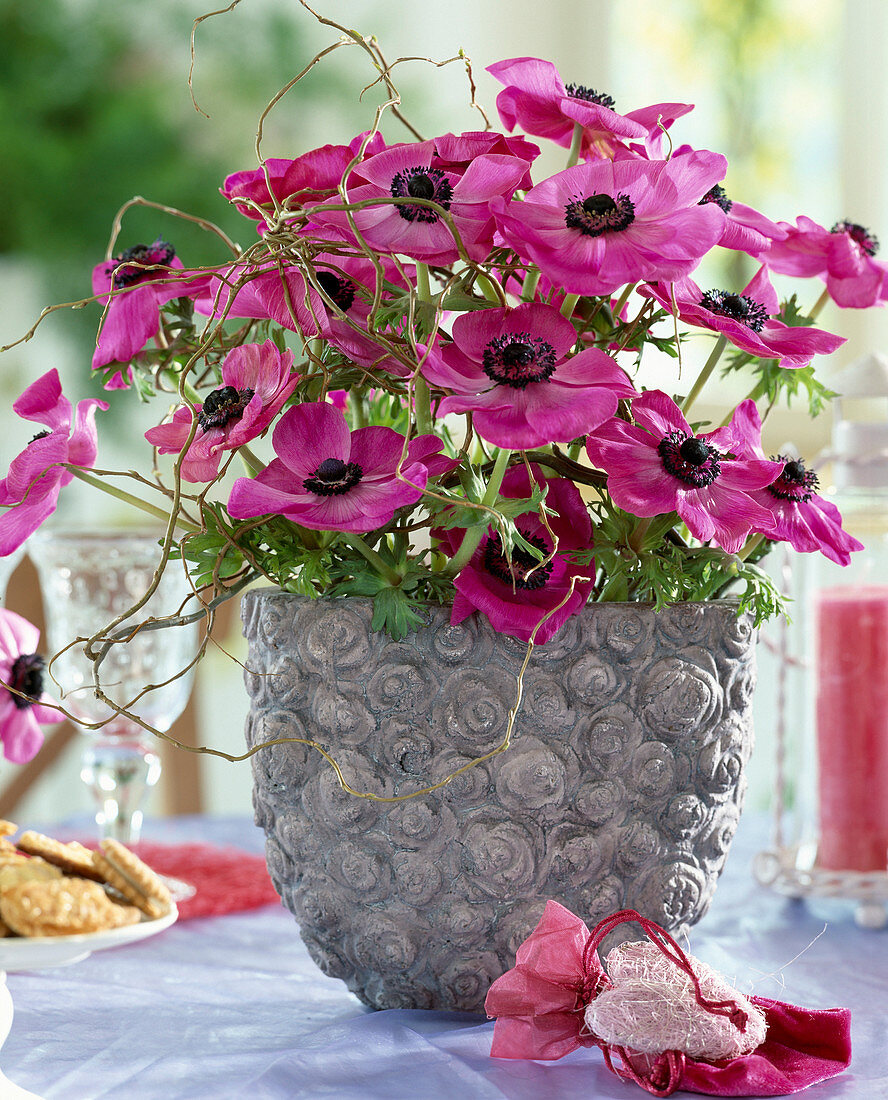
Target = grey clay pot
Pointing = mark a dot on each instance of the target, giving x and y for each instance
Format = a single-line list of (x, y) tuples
[(621, 788)]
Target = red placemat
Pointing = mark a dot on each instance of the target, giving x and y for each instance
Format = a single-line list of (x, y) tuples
[(227, 880)]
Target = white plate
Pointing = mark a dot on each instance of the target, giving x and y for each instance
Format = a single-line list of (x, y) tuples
[(37, 952)]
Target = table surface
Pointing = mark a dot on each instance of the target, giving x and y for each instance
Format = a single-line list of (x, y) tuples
[(233, 1006)]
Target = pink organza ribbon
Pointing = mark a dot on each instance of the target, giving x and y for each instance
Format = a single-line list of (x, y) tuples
[(539, 1008)]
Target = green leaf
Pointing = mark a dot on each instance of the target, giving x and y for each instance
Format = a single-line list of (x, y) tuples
[(791, 315), (458, 301), (508, 509), (395, 613)]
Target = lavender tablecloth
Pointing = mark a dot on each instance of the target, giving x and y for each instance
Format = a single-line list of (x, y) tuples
[(230, 1007)]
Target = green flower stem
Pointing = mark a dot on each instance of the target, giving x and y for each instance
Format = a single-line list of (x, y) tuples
[(573, 156), (357, 400), (574, 451), (423, 285), (422, 403), (422, 399), (384, 570), (252, 464), (485, 283), (474, 534), (567, 306), (750, 545), (531, 279), (636, 539), (622, 300), (129, 498), (819, 304), (708, 368)]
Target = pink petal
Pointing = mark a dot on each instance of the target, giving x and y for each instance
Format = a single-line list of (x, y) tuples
[(17, 635), (252, 497), (308, 434), (37, 469), (133, 317), (20, 734), (20, 522), (44, 402), (83, 444), (657, 412), (377, 450)]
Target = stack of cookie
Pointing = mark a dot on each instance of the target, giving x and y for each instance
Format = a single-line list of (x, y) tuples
[(48, 888)]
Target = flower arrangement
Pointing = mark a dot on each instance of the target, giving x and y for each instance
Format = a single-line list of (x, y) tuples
[(438, 352)]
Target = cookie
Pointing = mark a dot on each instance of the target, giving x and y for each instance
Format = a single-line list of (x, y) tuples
[(122, 870), (11, 856), (73, 858), (7, 848), (27, 870), (62, 907)]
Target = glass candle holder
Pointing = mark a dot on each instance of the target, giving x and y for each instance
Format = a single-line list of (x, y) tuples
[(831, 837), (88, 580)]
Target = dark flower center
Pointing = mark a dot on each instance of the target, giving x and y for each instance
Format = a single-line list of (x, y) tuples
[(421, 183), (868, 242), (222, 406), (136, 260), (691, 460), (524, 571), (341, 291), (796, 482), (599, 214), (26, 676), (333, 478), (717, 195), (736, 306), (589, 95), (517, 359)]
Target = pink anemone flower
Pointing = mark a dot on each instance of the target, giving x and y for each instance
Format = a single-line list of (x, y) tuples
[(799, 515), (134, 285), (747, 319), (537, 99), (328, 478), (516, 595), (408, 171), (510, 368), (30, 490), (658, 465), (24, 709), (312, 177), (597, 226), (257, 380), (843, 257)]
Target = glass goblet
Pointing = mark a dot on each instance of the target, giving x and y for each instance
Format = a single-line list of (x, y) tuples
[(88, 580)]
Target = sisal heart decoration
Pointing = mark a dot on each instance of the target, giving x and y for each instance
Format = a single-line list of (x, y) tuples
[(651, 1007), (549, 1004)]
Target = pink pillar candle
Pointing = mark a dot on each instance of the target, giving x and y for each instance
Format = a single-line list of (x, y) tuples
[(852, 727)]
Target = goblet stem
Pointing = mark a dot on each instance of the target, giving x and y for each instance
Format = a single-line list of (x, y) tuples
[(120, 771)]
